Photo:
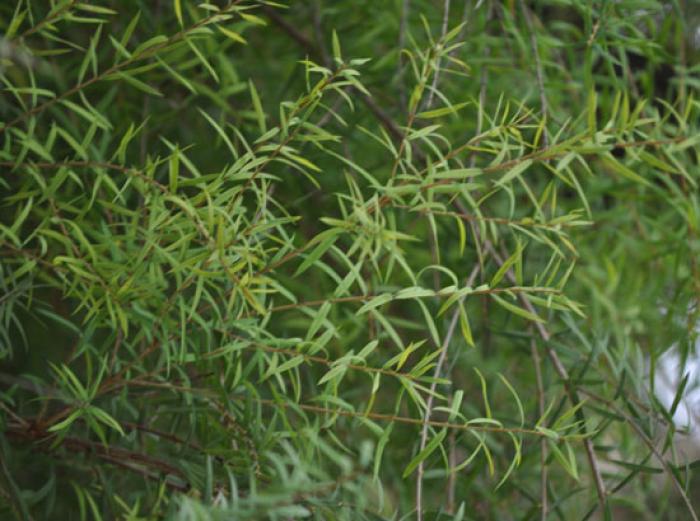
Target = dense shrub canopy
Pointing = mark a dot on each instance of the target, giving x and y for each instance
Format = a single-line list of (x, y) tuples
[(347, 260)]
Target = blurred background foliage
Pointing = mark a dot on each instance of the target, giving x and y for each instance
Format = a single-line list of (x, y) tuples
[(400, 259)]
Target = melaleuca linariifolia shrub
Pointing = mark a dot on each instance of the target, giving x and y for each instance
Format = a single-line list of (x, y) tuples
[(345, 260)]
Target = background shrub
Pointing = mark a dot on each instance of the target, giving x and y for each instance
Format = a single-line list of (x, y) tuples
[(346, 260)]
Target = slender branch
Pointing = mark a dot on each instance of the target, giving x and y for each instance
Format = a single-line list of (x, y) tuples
[(312, 358), (436, 76), (308, 45), (650, 444), (496, 220), (49, 19), (134, 461), (396, 419), (119, 337), (544, 106), (542, 155), (146, 473), (403, 28), (318, 33), (364, 298), (452, 477), (483, 84), (559, 368), (432, 233), (384, 119), (540, 412), (465, 20), (431, 396), (291, 30)]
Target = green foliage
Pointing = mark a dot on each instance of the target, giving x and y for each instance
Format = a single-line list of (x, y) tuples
[(346, 260)]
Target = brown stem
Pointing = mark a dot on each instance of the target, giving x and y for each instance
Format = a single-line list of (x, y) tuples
[(544, 106), (431, 396), (436, 75), (571, 390), (543, 442)]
